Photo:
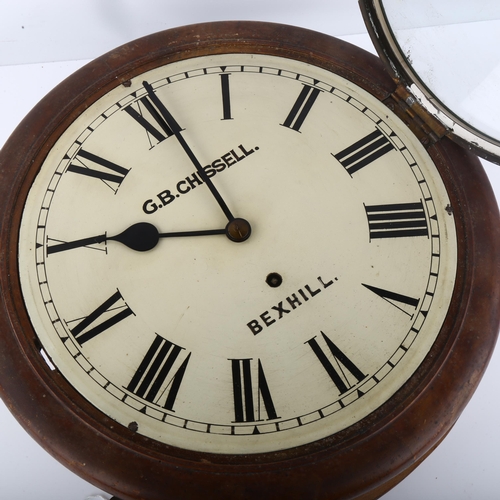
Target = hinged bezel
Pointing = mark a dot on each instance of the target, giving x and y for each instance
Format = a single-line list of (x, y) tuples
[(426, 127), (392, 55)]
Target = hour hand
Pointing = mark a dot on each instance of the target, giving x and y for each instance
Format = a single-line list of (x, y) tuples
[(144, 236)]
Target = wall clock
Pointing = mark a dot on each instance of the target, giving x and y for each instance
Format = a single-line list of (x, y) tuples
[(235, 260)]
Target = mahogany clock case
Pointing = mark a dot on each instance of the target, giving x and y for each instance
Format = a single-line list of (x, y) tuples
[(364, 460)]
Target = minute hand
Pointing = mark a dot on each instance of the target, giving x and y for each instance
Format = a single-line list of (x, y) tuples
[(174, 126)]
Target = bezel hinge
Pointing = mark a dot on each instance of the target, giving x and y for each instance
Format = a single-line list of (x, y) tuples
[(405, 105)]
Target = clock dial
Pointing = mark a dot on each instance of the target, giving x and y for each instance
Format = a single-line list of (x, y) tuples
[(237, 253)]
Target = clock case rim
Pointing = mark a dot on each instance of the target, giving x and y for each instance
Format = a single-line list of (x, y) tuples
[(131, 466)]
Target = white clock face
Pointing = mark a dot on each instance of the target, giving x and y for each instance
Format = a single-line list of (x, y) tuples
[(293, 332)]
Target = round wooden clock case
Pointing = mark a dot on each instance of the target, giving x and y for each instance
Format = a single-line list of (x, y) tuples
[(94, 404)]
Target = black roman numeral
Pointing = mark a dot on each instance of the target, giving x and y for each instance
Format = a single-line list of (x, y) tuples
[(110, 173), (397, 220), (226, 101), (396, 299), (301, 107), (365, 151), (336, 372), (108, 314), (62, 246), (151, 380), (247, 407), (148, 113)]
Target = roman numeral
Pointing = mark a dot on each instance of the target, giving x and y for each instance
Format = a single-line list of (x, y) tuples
[(110, 173), (226, 101), (396, 299), (147, 112), (336, 364), (397, 220), (301, 107), (151, 381), (247, 397), (365, 151), (108, 314), (62, 246)]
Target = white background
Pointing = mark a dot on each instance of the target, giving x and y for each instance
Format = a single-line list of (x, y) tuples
[(41, 42)]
